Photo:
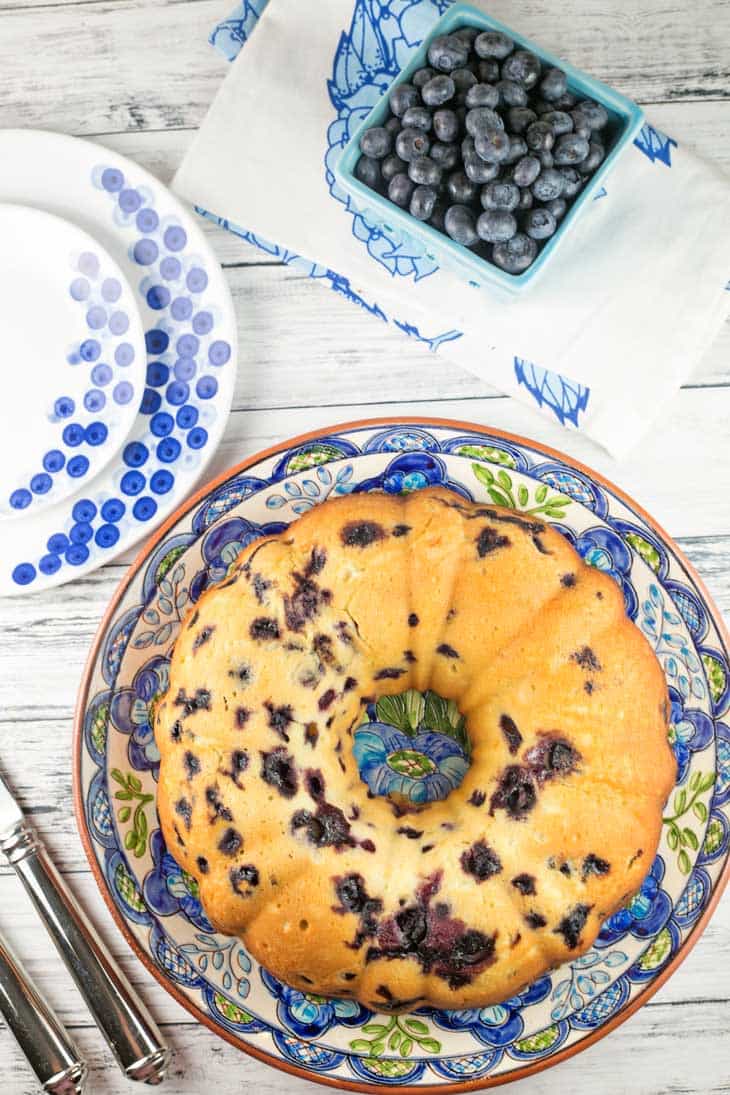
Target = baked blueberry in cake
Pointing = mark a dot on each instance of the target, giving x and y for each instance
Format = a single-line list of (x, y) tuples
[(463, 901)]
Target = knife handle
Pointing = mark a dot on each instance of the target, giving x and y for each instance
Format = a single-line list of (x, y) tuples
[(50, 1051), (125, 1022)]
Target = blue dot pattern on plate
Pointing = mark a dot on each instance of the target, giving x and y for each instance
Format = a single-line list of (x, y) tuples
[(105, 356), (187, 355)]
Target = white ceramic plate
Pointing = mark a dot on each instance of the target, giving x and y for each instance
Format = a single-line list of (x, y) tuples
[(74, 349), (190, 339)]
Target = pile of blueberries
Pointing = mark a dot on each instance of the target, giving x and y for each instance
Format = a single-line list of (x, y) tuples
[(487, 145)]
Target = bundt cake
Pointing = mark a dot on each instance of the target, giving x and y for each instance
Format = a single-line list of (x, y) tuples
[(341, 892)]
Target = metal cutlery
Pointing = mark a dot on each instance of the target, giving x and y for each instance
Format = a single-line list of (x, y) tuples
[(125, 1022), (50, 1051)]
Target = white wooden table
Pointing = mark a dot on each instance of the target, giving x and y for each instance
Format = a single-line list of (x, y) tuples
[(137, 75)]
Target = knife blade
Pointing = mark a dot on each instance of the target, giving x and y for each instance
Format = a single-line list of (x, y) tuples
[(129, 1029)]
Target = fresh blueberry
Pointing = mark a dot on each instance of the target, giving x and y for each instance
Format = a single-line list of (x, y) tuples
[(501, 195), (487, 71), (423, 201), (523, 67), (570, 149), (595, 157), (400, 190), (460, 188), (482, 95), (526, 200), (393, 165), (411, 143), (393, 125), (516, 254), (439, 90), (511, 93), (519, 118), (445, 155), (459, 224), (437, 217), (446, 125), (546, 158), (475, 167), (424, 172), (549, 184), (558, 207), (376, 143), (368, 171), (447, 53), (492, 43), (554, 84), (541, 106), (565, 102), (540, 224), (496, 226), (573, 181), (590, 114), (482, 119), (466, 35), (418, 117), (418, 79), (559, 121), (403, 97), (517, 148), (493, 145), (463, 79), (526, 170), (540, 137)]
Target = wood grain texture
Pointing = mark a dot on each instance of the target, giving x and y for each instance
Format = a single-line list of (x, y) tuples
[(146, 65), (138, 75)]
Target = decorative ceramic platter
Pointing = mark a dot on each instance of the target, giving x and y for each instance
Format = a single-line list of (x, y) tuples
[(156, 903), (189, 349), (73, 336)]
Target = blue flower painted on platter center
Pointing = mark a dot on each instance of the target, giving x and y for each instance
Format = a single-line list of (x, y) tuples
[(690, 730), (168, 889), (424, 768), (131, 713), (646, 913), (310, 1016)]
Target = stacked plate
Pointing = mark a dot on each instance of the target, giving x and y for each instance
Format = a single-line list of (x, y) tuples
[(119, 341)]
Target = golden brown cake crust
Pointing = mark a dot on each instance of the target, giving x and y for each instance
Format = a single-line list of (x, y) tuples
[(466, 901)]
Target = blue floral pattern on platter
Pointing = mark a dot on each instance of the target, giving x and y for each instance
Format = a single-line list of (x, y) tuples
[(423, 768), (190, 343), (325, 1037)]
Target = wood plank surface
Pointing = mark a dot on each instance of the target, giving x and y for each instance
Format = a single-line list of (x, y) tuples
[(138, 75)]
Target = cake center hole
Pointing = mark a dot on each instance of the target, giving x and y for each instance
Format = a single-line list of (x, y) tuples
[(412, 747)]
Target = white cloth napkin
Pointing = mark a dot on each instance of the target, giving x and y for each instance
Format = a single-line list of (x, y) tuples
[(621, 316)]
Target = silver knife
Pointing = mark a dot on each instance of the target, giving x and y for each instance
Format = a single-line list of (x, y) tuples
[(125, 1022), (50, 1051)]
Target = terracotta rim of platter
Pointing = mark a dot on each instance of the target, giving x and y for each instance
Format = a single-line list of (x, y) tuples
[(285, 1066)]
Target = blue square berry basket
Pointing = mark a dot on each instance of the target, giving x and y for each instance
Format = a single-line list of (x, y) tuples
[(626, 119)]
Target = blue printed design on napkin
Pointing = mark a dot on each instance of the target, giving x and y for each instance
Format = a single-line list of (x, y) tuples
[(381, 37), (566, 398), (383, 34), (655, 145), (231, 35)]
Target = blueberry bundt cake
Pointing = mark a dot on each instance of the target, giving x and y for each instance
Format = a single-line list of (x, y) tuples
[(343, 893)]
